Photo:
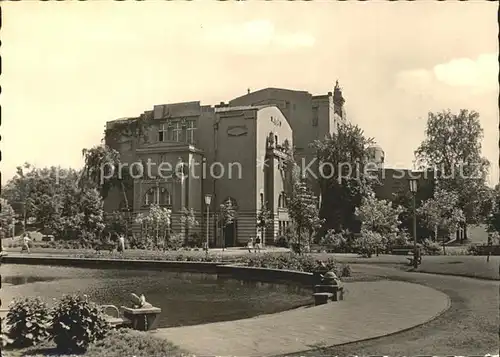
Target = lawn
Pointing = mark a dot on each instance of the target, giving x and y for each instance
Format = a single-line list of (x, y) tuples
[(463, 265), (120, 343), (469, 266)]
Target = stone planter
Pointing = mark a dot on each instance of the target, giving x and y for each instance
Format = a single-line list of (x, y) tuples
[(143, 319)]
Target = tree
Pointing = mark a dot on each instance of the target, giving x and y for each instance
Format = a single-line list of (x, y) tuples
[(7, 216), (453, 148), (115, 222), (264, 218), (228, 213), (102, 170), (379, 216), (442, 212), (404, 199), (344, 178), (493, 220), (49, 199), (19, 191), (155, 224), (303, 209), (188, 220)]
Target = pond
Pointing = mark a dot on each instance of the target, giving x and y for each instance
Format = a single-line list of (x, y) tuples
[(185, 298)]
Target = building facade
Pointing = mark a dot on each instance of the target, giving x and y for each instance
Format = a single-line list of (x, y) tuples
[(176, 154)]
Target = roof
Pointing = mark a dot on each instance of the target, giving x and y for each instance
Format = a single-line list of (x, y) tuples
[(244, 107), (269, 88)]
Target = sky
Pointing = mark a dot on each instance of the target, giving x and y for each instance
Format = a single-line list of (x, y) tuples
[(68, 67)]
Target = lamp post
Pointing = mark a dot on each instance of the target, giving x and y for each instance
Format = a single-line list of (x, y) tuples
[(413, 190), (208, 200)]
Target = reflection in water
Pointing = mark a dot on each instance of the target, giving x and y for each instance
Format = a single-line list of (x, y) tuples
[(19, 280), (185, 298)]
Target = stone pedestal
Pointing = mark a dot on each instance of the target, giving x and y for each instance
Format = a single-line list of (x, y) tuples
[(337, 291), (143, 319), (321, 298)]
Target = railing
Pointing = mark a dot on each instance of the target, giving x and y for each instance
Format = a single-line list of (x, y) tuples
[(112, 307)]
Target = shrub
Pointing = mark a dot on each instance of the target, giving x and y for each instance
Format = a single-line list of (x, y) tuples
[(472, 249), (346, 271), (300, 247), (125, 342), (28, 321), (282, 242), (368, 242), (337, 242), (432, 248), (175, 241), (76, 323), (6, 340), (296, 262), (194, 241)]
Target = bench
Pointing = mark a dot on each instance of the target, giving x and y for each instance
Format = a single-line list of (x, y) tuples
[(401, 251), (321, 298), (115, 321), (105, 246)]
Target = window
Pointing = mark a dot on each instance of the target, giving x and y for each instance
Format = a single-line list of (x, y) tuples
[(262, 200), (150, 197), (165, 197), (276, 140), (190, 129), (282, 200), (162, 133), (280, 228), (177, 131)]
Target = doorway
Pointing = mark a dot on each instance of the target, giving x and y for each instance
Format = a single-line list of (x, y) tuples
[(230, 235)]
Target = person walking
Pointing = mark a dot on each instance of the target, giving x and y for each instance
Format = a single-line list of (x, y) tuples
[(121, 243), (490, 246), (250, 245), (257, 244), (26, 243)]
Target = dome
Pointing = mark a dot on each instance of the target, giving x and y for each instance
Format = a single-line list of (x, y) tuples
[(376, 154)]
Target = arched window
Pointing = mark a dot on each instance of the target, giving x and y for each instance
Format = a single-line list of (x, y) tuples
[(151, 196), (165, 197), (282, 200)]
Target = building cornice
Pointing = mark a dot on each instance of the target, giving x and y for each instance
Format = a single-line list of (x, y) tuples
[(169, 148)]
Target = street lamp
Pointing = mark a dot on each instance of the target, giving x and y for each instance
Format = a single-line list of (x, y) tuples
[(413, 190), (208, 200)]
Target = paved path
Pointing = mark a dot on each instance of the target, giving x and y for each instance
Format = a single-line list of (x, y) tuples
[(469, 327), (371, 309)]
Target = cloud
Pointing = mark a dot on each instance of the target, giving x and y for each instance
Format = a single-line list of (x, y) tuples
[(258, 35), (480, 74)]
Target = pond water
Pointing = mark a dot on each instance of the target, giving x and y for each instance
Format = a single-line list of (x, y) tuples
[(185, 298)]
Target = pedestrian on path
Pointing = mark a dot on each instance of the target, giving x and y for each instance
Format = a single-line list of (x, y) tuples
[(26, 243), (121, 243), (490, 245), (250, 245), (257, 244)]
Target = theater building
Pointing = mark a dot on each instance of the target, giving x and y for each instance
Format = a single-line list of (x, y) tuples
[(229, 151)]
